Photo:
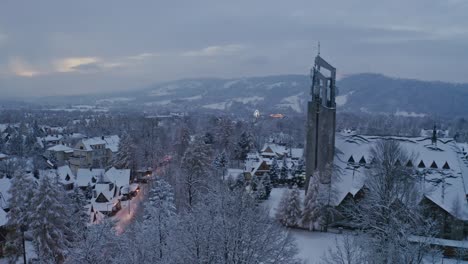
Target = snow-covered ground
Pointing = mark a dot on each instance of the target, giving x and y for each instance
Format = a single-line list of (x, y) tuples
[(314, 245), (294, 102), (129, 209)]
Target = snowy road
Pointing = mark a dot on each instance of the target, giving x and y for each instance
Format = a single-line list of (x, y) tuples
[(126, 214)]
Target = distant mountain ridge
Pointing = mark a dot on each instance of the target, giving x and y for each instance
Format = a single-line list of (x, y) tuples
[(374, 93)]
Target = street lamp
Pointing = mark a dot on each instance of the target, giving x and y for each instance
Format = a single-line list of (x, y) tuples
[(23, 229)]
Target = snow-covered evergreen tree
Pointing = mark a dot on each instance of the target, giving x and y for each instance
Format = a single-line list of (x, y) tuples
[(313, 205), (16, 145), (49, 221), (221, 162), (289, 211), (284, 172), (274, 172), (159, 215), (78, 213), (223, 134), (268, 185), (101, 245), (22, 190), (258, 188), (125, 157), (195, 163), (244, 146)]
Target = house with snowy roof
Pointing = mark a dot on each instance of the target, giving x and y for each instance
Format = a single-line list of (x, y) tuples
[(51, 140), (107, 187), (88, 177), (59, 154), (63, 174), (259, 164), (106, 198), (94, 152), (441, 165)]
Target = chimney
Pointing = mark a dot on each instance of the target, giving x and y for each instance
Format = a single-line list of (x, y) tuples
[(102, 137)]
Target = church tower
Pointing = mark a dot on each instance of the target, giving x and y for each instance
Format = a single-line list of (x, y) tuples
[(321, 122)]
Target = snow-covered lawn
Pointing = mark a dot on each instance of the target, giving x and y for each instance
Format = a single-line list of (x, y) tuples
[(313, 245)]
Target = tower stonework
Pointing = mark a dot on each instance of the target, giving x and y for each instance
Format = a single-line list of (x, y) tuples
[(321, 122)]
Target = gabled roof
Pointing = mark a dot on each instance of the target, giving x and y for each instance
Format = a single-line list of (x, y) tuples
[(85, 176), (52, 138), (61, 147), (110, 142), (424, 152), (119, 177), (64, 173)]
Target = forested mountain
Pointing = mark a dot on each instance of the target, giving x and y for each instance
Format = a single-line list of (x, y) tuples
[(369, 93)]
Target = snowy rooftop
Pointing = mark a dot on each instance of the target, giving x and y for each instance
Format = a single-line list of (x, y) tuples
[(85, 176), (111, 142), (5, 184), (119, 177), (52, 138), (63, 172), (60, 147), (3, 217), (437, 161), (107, 189), (2, 156), (233, 173)]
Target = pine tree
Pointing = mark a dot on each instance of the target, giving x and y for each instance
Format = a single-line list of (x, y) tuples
[(195, 164), (267, 184), (49, 221), (221, 162), (15, 145), (294, 210), (312, 204), (281, 210), (289, 211), (284, 173), (244, 146), (125, 157), (224, 134), (274, 172), (183, 141), (159, 216), (78, 213), (21, 191), (258, 188), (101, 245)]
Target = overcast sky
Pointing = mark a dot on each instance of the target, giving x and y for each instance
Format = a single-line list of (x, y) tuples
[(74, 47)]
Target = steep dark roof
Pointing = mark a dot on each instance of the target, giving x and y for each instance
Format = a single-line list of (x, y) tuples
[(446, 166), (362, 160), (409, 163), (421, 164)]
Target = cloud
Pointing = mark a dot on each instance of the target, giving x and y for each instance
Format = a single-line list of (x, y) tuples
[(395, 33), (74, 63), (20, 67), (215, 50), (142, 56)]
